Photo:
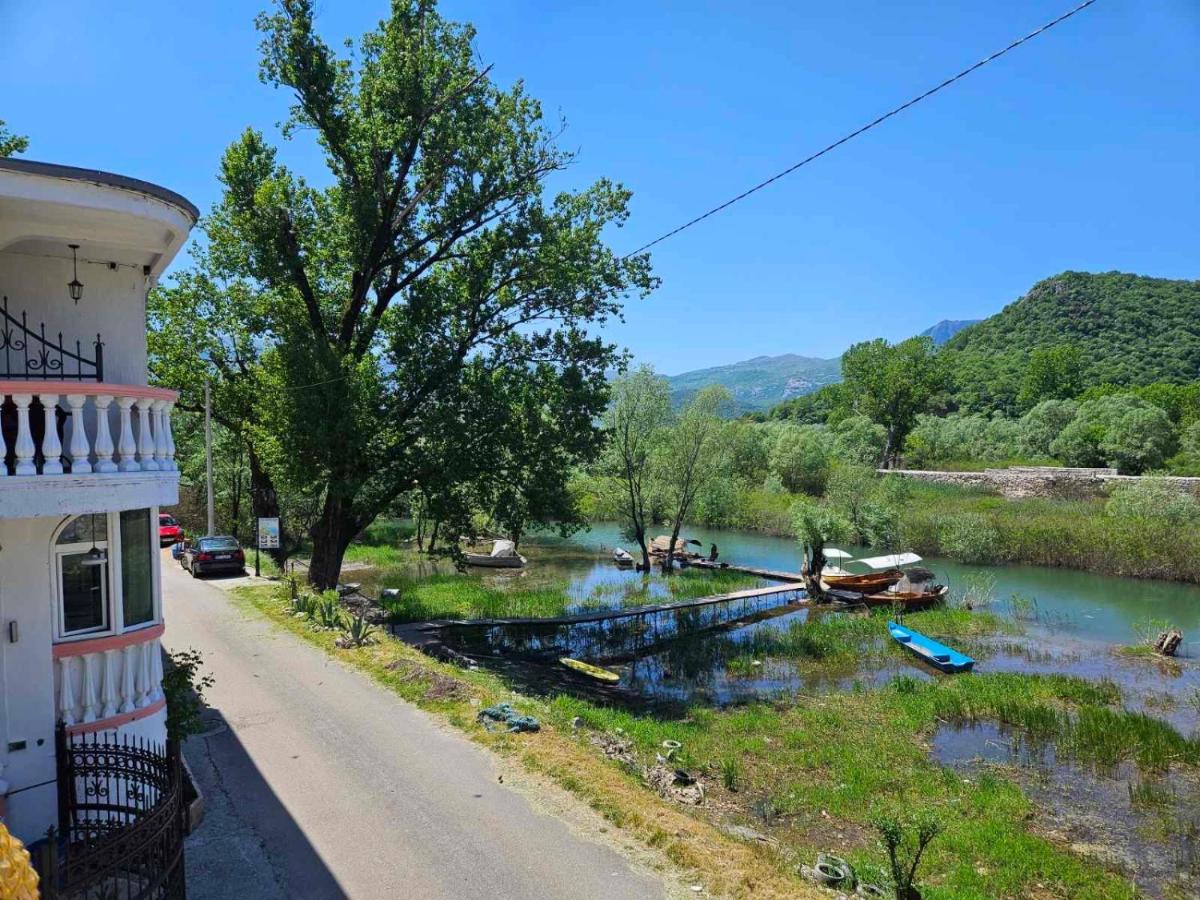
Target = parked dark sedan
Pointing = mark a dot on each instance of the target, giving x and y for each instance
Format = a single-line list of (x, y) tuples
[(213, 554)]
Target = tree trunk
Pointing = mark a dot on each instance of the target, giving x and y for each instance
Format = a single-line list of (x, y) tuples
[(331, 536), (669, 567)]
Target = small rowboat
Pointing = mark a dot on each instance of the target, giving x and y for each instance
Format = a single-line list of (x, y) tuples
[(597, 672), (907, 599), (867, 584), (928, 650), (623, 558)]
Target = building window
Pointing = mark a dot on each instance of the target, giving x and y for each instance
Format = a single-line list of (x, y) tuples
[(137, 574), (82, 555)]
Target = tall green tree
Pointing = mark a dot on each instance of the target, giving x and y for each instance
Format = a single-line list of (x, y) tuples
[(428, 263), (1052, 373), (637, 415), (892, 384), (11, 144), (693, 453)]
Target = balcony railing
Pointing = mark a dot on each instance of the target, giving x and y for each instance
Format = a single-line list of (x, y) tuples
[(121, 821), (106, 681), (63, 427), (32, 354)]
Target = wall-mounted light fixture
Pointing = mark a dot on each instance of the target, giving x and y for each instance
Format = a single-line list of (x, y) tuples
[(75, 286)]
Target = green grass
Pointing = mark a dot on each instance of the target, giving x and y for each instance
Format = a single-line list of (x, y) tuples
[(814, 766), (454, 596)]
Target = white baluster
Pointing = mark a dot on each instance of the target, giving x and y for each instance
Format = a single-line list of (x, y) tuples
[(156, 671), (3, 448), (142, 660), (80, 449), (166, 419), (126, 447), (51, 445), (103, 447), (128, 673), (145, 443), (111, 661), (89, 688), (160, 437), (23, 448), (66, 692)]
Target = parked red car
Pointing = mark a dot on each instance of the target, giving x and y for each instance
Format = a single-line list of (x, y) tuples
[(169, 531)]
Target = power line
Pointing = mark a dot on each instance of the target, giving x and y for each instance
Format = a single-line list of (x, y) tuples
[(879, 121)]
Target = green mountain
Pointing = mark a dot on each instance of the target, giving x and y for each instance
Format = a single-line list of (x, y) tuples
[(760, 383), (1131, 329)]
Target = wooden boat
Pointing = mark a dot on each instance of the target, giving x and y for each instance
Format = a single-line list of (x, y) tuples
[(504, 555), (870, 583), (908, 599), (623, 558), (597, 672), (928, 650)]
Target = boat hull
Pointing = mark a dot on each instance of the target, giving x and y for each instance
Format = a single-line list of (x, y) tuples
[(929, 651), (867, 584), (907, 599)]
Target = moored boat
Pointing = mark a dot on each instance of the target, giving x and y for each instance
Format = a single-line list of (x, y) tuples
[(869, 583), (623, 558), (907, 599), (930, 651), (597, 672), (504, 555)]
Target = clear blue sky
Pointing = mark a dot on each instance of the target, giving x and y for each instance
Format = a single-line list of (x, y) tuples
[(1080, 150)]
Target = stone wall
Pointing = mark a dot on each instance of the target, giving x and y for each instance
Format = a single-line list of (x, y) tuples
[(1041, 481)]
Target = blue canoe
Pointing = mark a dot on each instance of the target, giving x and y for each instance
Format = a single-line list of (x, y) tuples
[(937, 655)]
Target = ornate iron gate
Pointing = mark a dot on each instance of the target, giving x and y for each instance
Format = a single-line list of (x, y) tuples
[(121, 821)]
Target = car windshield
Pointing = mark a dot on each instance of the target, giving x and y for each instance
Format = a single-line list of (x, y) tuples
[(218, 543), (166, 520)]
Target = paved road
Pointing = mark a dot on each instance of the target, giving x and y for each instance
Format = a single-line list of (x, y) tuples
[(321, 784)]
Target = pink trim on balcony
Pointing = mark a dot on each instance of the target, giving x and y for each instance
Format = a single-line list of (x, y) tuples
[(108, 642), (117, 721), (90, 388)]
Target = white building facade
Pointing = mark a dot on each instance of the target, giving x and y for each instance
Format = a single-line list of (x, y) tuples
[(86, 460)]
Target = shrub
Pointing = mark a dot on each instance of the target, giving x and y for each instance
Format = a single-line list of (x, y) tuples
[(1121, 430), (183, 687), (326, 611), (1042, 425), (860, 441), (802, 455), (356, 631)]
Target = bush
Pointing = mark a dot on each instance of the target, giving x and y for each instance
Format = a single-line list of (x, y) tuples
[(860, 441), (183, 687), (1042, 425), (1121, 430), (1153, 500), (939, 439), (802, 455)]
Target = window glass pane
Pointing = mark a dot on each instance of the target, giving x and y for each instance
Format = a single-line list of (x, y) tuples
[(85, 530), (137, 583), (84, 607), (218, 543)]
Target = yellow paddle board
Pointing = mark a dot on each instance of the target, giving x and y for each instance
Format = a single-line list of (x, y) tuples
[(600, 674)]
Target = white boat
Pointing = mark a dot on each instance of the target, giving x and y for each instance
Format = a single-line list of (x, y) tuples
[(623, 558), (504, 555)]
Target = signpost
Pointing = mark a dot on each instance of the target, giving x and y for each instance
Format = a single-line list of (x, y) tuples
[(268, 539)]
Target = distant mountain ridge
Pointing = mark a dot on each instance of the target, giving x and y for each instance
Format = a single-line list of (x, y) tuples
[(762, 382), (946, 329), (759, 383)]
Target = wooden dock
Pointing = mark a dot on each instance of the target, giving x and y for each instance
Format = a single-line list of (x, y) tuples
[(626, 613), (769, 574)]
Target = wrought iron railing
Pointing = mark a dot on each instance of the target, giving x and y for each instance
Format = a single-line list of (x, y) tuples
[(29, 353), (121, 821)]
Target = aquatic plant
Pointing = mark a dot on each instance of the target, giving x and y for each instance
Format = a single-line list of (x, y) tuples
[(979, 589)]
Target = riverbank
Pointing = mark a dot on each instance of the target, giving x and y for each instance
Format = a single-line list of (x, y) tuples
[(977, 525), (809, 772)]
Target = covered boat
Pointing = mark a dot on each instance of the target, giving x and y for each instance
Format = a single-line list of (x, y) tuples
[(886, 571), (623, 558), (504, 555)]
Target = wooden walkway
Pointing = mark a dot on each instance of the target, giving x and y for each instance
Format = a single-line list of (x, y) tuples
[(770, 574), (627, 613)]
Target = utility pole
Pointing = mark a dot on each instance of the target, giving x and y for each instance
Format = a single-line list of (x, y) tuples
[(212, 509)]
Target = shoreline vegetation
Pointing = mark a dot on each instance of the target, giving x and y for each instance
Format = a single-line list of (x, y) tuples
[(811, 772)]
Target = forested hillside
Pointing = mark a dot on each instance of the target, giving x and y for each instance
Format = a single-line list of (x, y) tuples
[(1126, 329), (760, 383)]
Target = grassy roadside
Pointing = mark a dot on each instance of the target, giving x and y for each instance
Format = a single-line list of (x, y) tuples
[(810, 771), (724, 865)]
